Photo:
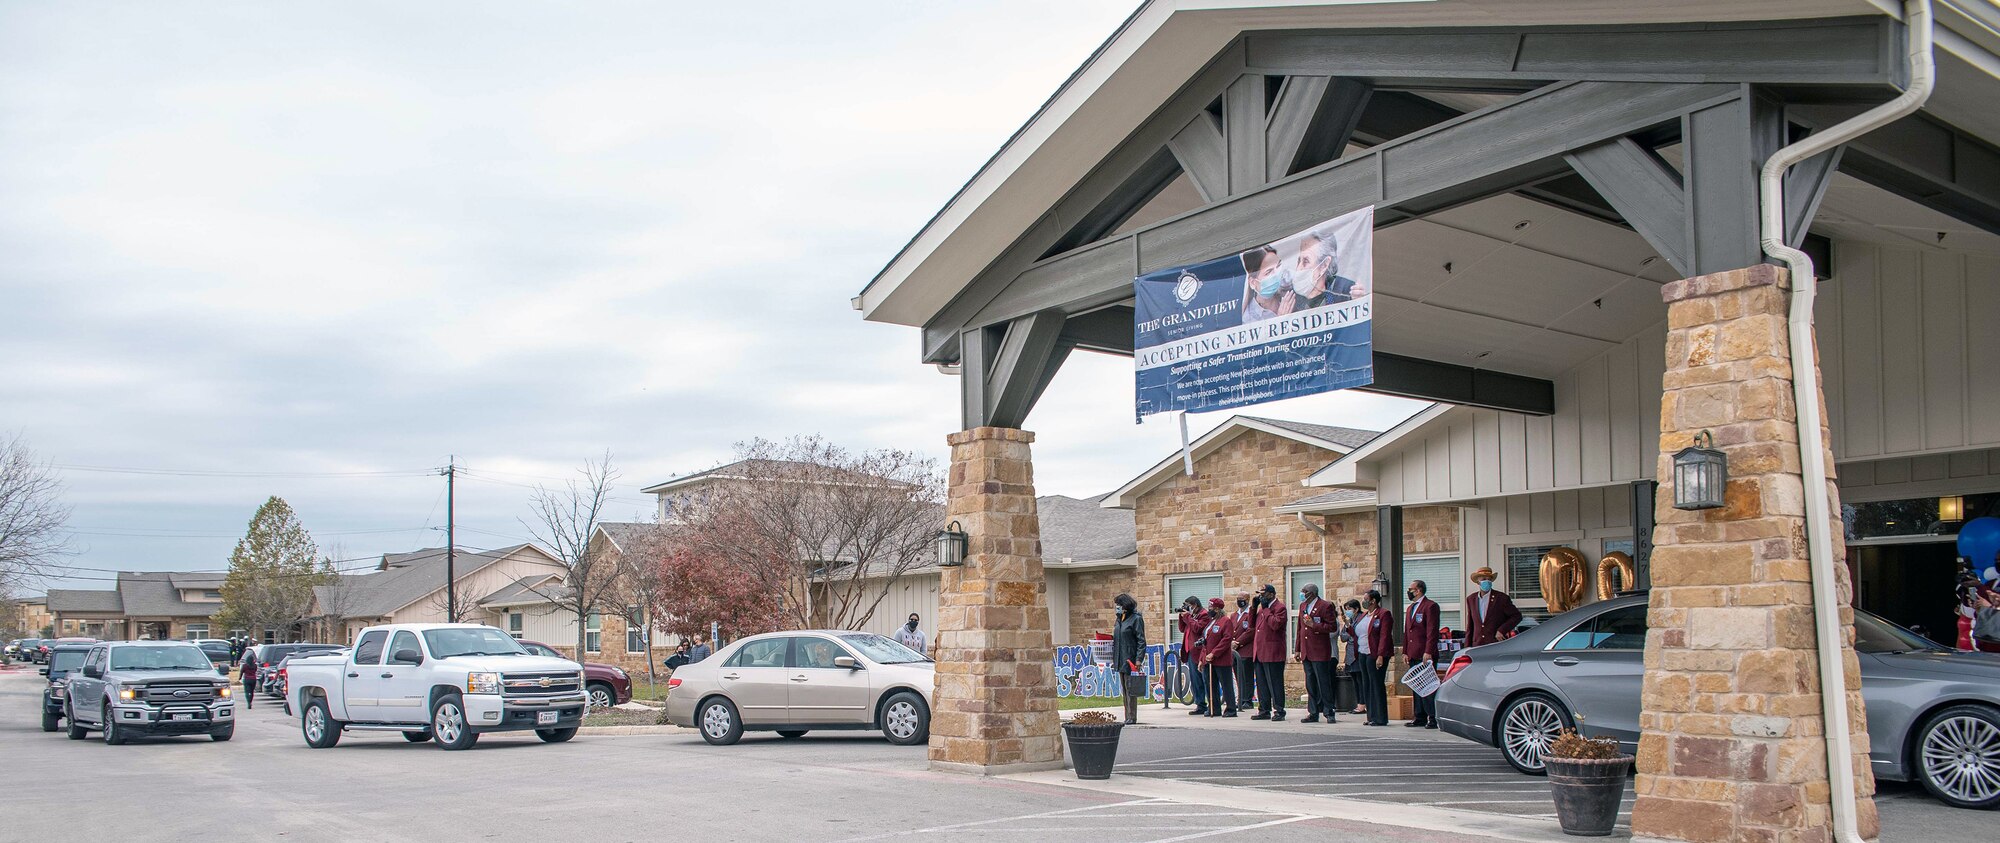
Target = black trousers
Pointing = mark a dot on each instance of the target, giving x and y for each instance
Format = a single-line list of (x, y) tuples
[(1374, 694), (1246, 680), (1426, 709), (1319, 689), (1221, 690), (1271, 688)]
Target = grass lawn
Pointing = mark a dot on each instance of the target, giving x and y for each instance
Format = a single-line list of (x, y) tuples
[(621, 717), (643, 690)]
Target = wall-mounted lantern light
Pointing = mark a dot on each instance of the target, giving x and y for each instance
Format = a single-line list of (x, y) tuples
[(951, 543), (1701, 473)]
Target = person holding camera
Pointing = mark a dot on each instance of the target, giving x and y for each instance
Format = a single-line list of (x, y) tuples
[(1193, 625)]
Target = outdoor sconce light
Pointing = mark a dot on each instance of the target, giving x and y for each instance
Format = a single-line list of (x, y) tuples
[(1380, 586), (1951, 508), (1701, 473), (951, 543)]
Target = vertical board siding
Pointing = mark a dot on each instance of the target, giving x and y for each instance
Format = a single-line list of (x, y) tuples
[(1626, 411), (1931, 475), (1906, 339)]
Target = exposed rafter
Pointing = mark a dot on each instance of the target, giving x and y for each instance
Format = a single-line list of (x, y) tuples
[(1923, 160)]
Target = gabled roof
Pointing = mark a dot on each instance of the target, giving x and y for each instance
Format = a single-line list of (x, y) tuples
[(405, 578), (152, 594), (621, 533), (1339, 440), (1347, 471), (84, 600), (1077, 531), (204, 581), (529, 590), (1338, 500)]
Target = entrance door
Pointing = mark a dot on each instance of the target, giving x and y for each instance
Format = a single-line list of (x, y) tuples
[(1910, 584), (758, 679)]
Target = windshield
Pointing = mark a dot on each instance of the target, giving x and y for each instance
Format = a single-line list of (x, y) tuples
[(185, 657), (1875, 635), (471, 641), (66, 661), (882, 650)]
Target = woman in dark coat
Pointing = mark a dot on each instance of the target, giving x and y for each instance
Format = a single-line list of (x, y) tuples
[(1128, 653)]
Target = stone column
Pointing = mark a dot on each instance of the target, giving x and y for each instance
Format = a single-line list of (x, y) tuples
[(1732, 743), (996, 698)]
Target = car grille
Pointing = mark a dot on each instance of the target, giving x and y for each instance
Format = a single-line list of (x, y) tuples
[(179, 692), (538, 684)]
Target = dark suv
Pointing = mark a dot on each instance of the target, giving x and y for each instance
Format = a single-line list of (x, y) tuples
[(270, 656), (132, 688), (63, 661)]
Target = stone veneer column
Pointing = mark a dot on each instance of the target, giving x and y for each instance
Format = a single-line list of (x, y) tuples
[(995, 698), (1732, 743)]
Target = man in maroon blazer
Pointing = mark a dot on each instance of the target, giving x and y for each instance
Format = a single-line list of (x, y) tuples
[(1243, 626), (1269, 652), (1218, 659), (1420, 647), (1317, 624), (1489, 613)]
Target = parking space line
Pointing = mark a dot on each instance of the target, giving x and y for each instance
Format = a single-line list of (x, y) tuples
[(1221, 831), (975, 823)]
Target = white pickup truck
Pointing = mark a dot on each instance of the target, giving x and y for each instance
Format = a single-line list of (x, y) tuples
[(445, 681)]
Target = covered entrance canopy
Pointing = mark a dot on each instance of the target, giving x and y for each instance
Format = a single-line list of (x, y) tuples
[(1543, 173)]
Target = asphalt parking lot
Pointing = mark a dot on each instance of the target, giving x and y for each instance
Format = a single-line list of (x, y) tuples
[(266, 785)]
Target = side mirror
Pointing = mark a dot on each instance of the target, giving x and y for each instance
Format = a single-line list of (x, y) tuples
[(407, 656), (846, 662), (92, 671)]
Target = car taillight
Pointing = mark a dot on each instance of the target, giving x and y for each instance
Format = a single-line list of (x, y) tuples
[(673, 683), (1457, 665)]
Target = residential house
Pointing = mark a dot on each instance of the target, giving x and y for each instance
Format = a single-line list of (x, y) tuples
[(410, 588), (31, 616), (530, 608), (143, 605)]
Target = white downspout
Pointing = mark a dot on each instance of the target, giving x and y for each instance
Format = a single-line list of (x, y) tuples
[(1805, 398)]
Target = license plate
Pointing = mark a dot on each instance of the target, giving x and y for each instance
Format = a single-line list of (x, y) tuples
[(183, 717), (544, 718)]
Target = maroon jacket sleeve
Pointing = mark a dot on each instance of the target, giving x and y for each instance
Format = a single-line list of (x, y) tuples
[(1379, 637), (1508, 615), (1246, 633)]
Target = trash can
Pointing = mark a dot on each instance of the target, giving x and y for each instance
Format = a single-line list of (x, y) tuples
[(1344, 691)]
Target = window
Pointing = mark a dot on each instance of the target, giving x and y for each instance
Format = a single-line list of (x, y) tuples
[(1618, 629), (270, 636), (211, 594), (766, 652), (197, 630), (635, 639), (514, 623), (1444, 582), (815, 652), (1179, 589), (1524, 571), (405, 640), (541, 650), (1296, 581), (369, 650), (593, 632)]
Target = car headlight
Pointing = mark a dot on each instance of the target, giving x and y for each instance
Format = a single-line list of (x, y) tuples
[(58, 692), (482, 682), (128, 693), (618, 672), (222, 691)]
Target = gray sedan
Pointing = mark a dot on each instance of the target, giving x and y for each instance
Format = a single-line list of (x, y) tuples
[(1933, 714)]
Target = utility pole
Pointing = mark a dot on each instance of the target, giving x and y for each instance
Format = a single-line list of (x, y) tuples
[(450, 544)]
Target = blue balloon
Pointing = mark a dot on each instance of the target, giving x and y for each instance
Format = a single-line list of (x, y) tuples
[(1978, 541)]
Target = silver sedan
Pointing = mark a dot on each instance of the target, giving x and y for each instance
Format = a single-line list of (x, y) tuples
[(1933, 714), (795, 682)]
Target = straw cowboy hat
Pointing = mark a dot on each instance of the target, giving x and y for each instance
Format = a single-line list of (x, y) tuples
[(1482, 574)]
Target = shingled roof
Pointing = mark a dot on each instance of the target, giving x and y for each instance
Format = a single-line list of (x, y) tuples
[(1079, 530), (403, 579)]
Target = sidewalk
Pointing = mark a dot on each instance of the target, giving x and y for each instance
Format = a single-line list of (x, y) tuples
[(1349, 725)]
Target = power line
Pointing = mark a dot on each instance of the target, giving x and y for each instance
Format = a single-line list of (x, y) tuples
[(177, 472), (165, 533)]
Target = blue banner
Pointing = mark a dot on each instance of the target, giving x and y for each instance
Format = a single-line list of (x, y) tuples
[(1278, 321)]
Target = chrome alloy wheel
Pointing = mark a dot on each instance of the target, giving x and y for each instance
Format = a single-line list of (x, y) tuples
[(1531, 726), (901, 719), (1961, 756), (315, 723), (715, 721), (600, 697), (449, 723)]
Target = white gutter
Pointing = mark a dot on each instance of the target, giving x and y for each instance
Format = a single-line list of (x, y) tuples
[(1805, 399)]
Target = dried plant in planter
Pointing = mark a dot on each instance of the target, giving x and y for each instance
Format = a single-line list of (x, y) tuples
[(1570, 745), (1093, 718)]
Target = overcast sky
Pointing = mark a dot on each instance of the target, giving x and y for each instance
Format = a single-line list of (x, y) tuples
[(355, 238)]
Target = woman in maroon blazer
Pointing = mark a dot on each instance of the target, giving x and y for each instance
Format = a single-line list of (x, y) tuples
[(1217, 659), (1373, 639)]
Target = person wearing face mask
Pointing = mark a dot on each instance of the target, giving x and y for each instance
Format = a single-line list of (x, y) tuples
[(1489, 613), (1350, 612), (1217, 661), (1269, 651), (1243, 643), (1316, 274), (1317, 625), (911, 636), (1194, 625), (1267, 292), (1128, 653), (1372, 638), (1420, 646)]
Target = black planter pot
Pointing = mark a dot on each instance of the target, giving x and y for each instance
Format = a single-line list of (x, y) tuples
[(1587, 792), (1093, 749)]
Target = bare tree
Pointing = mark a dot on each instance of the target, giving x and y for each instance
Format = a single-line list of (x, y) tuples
[(564, 519), (32, 516), (335, 595), (819, 531)]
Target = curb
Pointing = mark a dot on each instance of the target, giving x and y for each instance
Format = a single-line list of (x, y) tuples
[(632, 730)]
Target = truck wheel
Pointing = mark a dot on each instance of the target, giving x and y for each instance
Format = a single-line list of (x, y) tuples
[(76, 730), (320, 729), (720, 725), (50, 720), (555, 735), (223, 734), (906, 721), (113, 736), (601, 695), (416, 737), (448, 726)]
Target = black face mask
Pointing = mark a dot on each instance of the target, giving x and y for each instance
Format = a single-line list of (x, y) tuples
[(1410, 594), (913, 623), (1264, 600)]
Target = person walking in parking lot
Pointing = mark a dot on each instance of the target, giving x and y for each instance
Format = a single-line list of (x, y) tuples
[(1269, 650), (1242, 644), (1420, 646), (1128, 653), (1489, 613), (249, 675), (1218, 660), (1372, 638), (1315, 649)]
